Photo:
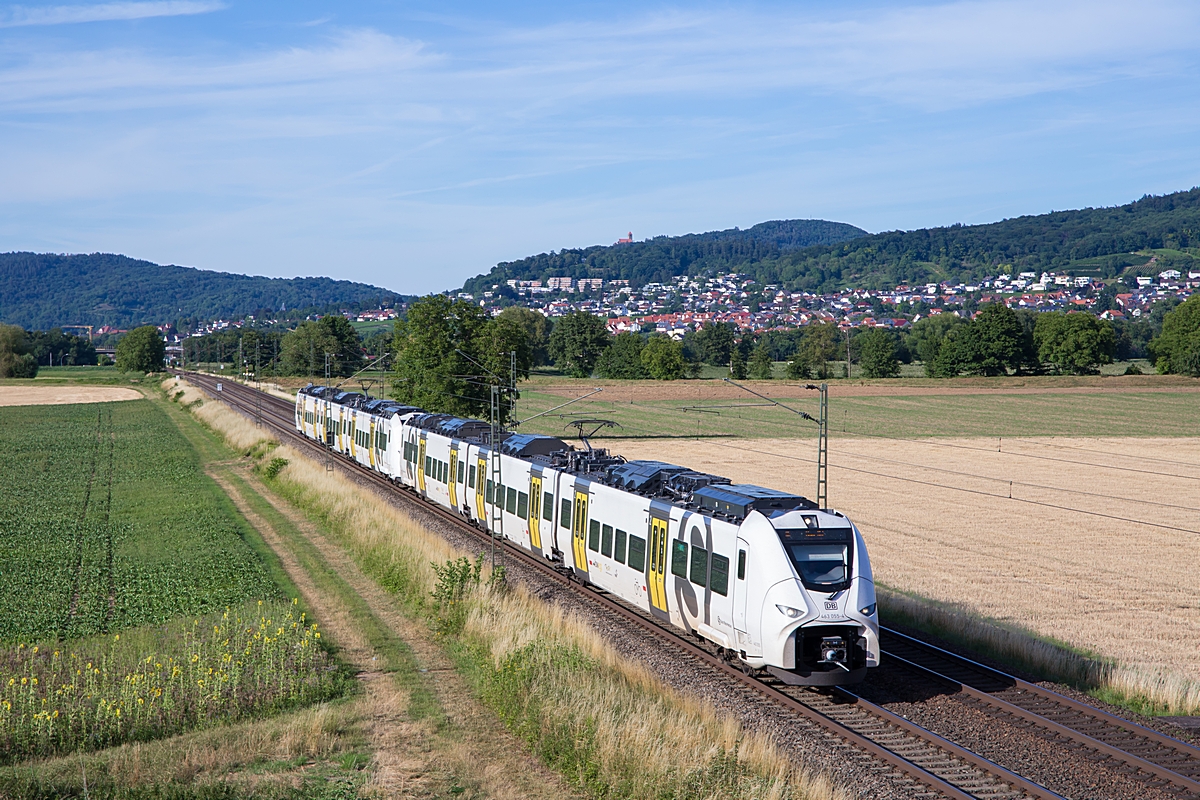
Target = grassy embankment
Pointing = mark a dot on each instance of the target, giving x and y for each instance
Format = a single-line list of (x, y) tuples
[(602, 722)]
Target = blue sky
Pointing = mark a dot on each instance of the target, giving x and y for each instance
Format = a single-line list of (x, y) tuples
[(412, 145)]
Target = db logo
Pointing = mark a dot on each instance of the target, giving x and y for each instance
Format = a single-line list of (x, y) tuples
[(830, 605)]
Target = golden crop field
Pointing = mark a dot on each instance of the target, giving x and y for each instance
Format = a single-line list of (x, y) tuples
[(1118, 581)]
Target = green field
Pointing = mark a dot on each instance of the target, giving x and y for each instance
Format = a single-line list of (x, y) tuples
[(1103, 413), (107, 521), (132, 603)]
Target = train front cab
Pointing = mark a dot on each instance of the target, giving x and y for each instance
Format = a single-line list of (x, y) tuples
[(808, 597)]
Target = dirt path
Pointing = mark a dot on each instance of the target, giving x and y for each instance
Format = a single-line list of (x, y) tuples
[(410, 756), (646, 391)]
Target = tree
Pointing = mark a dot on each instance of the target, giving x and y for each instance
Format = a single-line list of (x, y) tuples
[(1001, 340), (15, 359), (577, 342), (302, 351), (818, 347), (347, 357), (55, 347), (538, 329), (761, 366), (1173, 349), (991, 344), (449, 354), (622, 360), (141, 350), (877, 354), (663, 358), (1077, 343), (715, 341), (737, 364), (925, 338)]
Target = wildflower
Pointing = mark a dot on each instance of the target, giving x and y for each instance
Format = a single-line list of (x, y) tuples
[(35, 649)]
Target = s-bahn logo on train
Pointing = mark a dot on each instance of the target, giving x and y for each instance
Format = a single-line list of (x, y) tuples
[(764, 577)]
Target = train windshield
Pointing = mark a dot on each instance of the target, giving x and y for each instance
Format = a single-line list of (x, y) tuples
[(822, 557)]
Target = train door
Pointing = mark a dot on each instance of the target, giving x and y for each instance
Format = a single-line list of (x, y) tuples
[(452, 483), (739, 587), (657, 574), (480, 477), (421, 466), (535, 511), (371, 433), (579, 523)]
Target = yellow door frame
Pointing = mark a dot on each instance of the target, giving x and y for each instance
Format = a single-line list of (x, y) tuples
[(579, 531), (535, 511), (453, 476), (421, 464), (657, 576), (371, 444)]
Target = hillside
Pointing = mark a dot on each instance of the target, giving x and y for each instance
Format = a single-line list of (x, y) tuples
[(40, 291), (661, 258), (820, 256)]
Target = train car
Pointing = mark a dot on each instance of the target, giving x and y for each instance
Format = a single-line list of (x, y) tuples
[(764, 577)]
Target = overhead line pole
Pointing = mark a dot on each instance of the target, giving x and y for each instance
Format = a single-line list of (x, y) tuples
[(822, 421)]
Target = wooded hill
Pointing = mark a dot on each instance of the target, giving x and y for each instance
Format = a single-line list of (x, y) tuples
[(814, 255), (41, 291), (663, 257)]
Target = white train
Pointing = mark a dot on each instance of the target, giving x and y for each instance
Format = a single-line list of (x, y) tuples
[(766, 577)]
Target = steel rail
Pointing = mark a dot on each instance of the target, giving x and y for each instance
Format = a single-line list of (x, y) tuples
[(282, 419), (1158, 754)]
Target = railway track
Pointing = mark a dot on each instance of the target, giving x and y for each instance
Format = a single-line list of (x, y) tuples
[(944, 768), (1155, 757)]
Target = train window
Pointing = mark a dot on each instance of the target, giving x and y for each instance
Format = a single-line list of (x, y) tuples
[(594, 536), (428, 465), (512, 499), (741, 565), (564, 517), (491, 488), (522, 505), (471, 477), (637, 553), (462, 471), (679, 553), (718, 579), (619, 548), (606, 540), (548, 507), (699, 570)]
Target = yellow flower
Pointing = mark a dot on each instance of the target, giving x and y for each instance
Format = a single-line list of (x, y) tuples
[(35, 648)]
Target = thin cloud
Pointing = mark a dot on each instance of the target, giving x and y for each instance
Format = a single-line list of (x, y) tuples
[(22, 16)]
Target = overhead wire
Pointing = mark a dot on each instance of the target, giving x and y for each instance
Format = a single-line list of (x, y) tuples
[(980, 492)]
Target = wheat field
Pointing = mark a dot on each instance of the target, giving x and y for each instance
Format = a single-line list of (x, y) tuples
[(939, 522)]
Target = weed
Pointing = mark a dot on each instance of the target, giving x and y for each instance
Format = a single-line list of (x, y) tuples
[(276, 466)]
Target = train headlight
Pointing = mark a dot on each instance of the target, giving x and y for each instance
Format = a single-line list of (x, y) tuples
[(789, 612), (868, 611)]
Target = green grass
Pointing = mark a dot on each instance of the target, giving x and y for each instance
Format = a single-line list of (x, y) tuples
[(1125, 413)]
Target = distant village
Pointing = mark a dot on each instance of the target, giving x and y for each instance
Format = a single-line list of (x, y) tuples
[(689, 303)]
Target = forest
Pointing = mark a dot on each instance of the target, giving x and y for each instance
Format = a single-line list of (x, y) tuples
[(42, 291), (818, 256)]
